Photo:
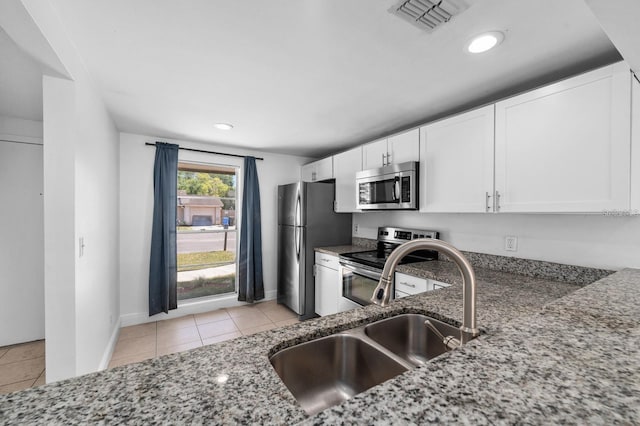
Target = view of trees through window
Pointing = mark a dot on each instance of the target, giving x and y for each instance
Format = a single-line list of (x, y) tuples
[(206, 237)]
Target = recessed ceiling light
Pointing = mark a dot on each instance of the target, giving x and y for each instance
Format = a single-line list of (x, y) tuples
[(223, 126), (485, 41)]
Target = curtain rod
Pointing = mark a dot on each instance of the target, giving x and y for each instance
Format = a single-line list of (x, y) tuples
[(208, 152)]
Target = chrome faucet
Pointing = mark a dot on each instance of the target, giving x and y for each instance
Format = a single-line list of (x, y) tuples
[(382, 293)]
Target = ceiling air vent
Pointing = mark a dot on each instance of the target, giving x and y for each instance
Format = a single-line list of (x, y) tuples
[(428, 14)]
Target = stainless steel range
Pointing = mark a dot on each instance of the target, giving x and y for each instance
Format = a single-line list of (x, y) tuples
[(361, 270)]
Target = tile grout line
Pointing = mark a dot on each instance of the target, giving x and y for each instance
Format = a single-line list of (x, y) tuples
[(198, 329)]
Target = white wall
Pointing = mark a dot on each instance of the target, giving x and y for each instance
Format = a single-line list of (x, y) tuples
[(97, 173), (81, 175), (136, 209), (18, 129), (21, 232), (59, 228), (81, 171), (586, 240)]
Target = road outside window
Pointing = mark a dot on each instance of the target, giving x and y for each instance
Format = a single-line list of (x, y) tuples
[(206, 230)]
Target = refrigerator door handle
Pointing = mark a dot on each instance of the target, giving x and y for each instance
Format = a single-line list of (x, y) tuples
[(297, 236), (298, 219)]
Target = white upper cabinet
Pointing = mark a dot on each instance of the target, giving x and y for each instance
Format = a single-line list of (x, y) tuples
[(456, 166), (565, 147), (346, 165), (318, 170), (396, 149), (404, 147), (374, 154)]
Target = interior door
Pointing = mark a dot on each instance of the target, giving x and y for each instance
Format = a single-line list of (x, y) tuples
[(21, 243)]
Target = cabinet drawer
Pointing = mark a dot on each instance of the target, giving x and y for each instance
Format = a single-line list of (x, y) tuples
[(400, 294), (327, 260), (438, 284), (411, 285)]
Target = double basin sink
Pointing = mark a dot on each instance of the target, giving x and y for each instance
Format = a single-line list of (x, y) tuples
[(329, 370)]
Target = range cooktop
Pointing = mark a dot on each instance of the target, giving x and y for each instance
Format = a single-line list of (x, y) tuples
[(388, 239)]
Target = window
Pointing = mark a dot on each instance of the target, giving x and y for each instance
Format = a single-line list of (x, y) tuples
[(206, 237)]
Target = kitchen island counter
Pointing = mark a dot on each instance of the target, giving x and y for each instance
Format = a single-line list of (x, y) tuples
[(552, 352)]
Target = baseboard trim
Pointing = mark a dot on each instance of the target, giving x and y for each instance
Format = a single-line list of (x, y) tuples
[(104, 363), (190, 308)]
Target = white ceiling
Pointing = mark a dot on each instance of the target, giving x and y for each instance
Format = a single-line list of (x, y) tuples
[(311, 77), (20, 82)]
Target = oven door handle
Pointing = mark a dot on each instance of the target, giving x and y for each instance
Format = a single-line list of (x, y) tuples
[(365, 272)]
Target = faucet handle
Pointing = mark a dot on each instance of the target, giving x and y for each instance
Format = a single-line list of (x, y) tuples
[(449, 342)]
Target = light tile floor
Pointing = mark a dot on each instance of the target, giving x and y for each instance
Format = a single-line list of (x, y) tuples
[(144, 341), (22, 366)]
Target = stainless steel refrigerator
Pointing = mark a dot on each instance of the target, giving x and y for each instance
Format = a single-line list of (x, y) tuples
[(306, 220)]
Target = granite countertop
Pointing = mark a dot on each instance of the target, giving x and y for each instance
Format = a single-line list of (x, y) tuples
[(553, 352)]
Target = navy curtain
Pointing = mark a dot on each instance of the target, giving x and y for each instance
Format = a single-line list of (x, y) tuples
[(162, 270), (250, 285)]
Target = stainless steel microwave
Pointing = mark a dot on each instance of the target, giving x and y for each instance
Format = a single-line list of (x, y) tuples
[(392, 187)]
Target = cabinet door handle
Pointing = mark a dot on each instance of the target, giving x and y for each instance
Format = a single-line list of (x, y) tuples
[(497, 201), (384, 159), (486, 202), (407, 284), (389, 158)]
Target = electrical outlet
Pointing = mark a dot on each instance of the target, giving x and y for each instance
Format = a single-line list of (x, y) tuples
[(355, 228), (511, 243)]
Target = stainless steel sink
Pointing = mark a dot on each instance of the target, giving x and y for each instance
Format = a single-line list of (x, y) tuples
[(408, 337), (327, 371)]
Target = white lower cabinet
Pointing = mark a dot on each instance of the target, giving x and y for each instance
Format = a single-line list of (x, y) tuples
[(408, 285), (327, 283)]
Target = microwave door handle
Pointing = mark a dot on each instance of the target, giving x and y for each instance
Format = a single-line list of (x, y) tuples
[(396, 188)]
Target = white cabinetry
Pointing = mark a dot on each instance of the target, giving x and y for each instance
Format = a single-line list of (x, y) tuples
[(404, 147), (318, 170), (374, 154), (565, 147), (346, 164), (456, 166), (408, 285), (396, 149), (327, 283)]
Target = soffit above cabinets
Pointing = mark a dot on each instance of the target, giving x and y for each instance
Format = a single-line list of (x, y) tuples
[(313, 77)]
